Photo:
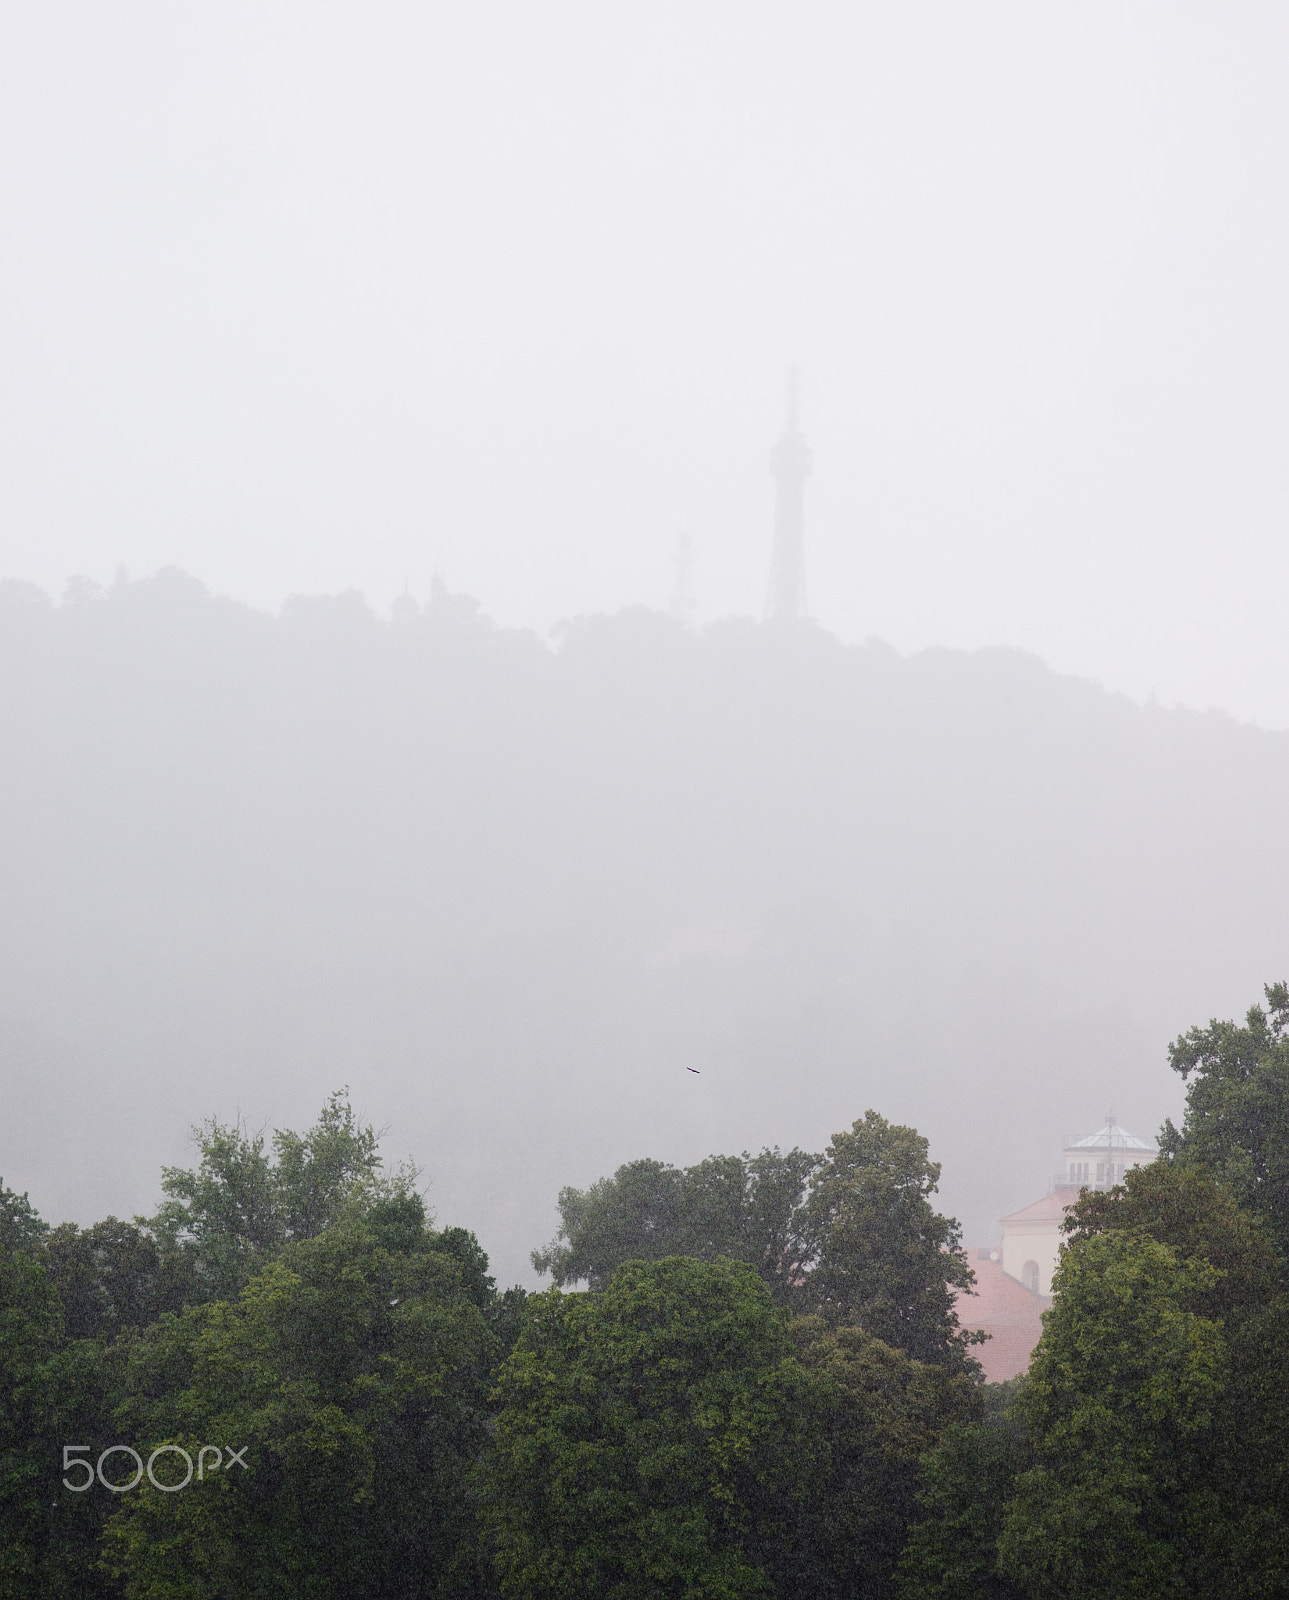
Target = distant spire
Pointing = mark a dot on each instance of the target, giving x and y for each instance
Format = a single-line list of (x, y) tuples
[(790, 464), (404, 608)]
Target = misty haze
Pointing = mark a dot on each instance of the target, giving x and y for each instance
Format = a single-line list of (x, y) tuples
[(588, 603), (508, 891)]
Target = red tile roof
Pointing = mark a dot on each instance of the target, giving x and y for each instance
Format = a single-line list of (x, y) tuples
[(1008, 1312)]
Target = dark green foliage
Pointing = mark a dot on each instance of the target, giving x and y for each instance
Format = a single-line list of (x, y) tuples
[(965, 1483), (505, 1317), (1155, 1404), (1237, 1107), (745, 1208), (51, 1394), (502, 1312), (355, 1362), (358, 1376), (881, 1257), (472, 1263), (1186, 1207), (1120, 1405), (1145, 1454), (20, 1226), (230, 1214), (115, 1276), (316, 1173), (882, 1412), (397, 1222), (850, 1235), (656, 1438), (673, 1432)]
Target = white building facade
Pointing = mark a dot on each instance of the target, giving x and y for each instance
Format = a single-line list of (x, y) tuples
[(1032, 1236)]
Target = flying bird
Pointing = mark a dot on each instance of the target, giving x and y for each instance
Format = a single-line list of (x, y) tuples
[(695, 1071)]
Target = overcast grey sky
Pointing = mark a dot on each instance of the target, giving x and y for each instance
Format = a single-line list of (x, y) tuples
[(304, 297)]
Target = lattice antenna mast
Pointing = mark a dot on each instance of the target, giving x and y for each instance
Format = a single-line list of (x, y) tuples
[(790, 464)]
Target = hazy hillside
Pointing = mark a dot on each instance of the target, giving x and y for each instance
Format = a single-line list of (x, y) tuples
[(509, 891)]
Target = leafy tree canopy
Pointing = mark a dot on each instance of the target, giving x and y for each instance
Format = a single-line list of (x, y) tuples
[(1155, 1403), (656, 1438), (358, 1377), (114, 1276), (20, 1226), (240, 1205), (1120, 1402), (880, 1255), (746, 1208), (354, 1361), (1237, 1107), (850, 1235), (882, 1412), (966, 1481), (1145, 1453), (51, 1394), (1188, 1208)]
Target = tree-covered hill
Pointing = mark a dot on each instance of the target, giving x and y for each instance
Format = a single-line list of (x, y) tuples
[(509, 889)]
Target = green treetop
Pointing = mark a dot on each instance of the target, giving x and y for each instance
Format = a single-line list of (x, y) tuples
[(240, 1205), (1237, 1107), (1155, 1403), (746, 1208), (657, 1438), (850, 1235), (20, 1225), (357, 1375), (879, 1253)]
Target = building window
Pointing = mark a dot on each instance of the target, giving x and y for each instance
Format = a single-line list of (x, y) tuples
[(1029, 1276)]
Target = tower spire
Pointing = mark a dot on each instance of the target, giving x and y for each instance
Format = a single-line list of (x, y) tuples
[(790, 464)]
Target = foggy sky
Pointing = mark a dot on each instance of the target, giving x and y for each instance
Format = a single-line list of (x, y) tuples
[(311, 297)]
